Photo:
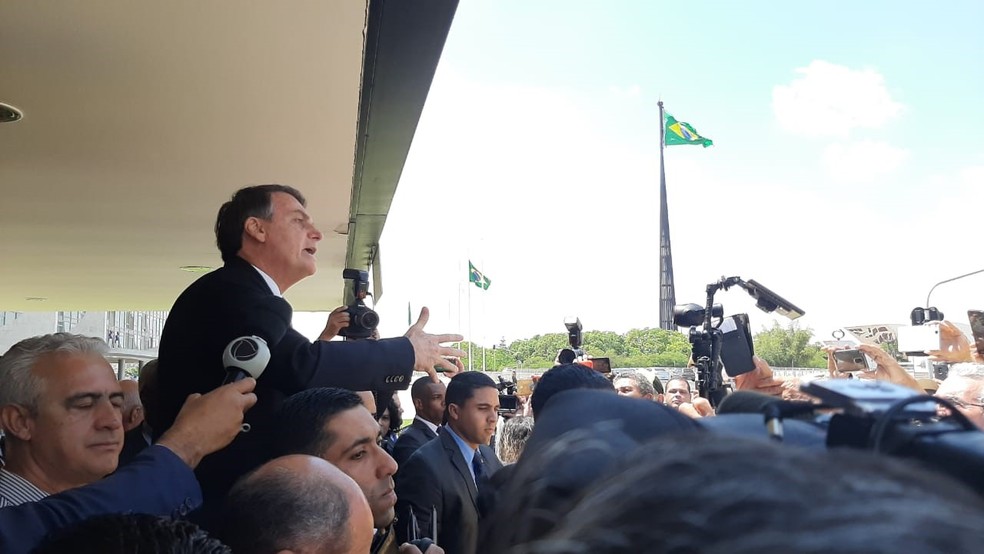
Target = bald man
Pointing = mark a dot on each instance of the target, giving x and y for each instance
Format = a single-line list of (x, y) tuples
[(296, 504)]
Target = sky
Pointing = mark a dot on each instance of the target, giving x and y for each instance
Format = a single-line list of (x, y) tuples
[(847, 172)]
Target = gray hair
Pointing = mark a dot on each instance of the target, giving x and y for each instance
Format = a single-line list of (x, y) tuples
[(18, 383), (515, 433), (969, 370), (644, 385), (973, 372)]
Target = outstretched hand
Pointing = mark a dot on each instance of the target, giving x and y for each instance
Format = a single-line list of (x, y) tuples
[(429, 354)]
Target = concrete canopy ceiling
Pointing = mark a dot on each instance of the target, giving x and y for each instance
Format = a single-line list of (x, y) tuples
[(141, 118)]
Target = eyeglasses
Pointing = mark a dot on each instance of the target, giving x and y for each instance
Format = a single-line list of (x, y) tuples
[(962, 404)]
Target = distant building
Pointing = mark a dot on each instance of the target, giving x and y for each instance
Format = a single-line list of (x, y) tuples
[(133, 337)]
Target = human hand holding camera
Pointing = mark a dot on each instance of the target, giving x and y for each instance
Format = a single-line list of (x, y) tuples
[(954, 346), (887, 368), (338, 319), (759, 379), (429, 355)]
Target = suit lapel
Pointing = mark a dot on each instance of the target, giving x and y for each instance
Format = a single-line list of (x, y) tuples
[(492, 463), (458, 461)]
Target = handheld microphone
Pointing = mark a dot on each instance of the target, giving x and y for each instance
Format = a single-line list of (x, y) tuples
[(245, 357)]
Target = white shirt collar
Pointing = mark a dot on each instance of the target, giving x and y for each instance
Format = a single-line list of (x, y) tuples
[(429, 425), (269, 281)]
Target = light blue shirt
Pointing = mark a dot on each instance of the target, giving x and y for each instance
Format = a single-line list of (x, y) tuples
[(466, 451)]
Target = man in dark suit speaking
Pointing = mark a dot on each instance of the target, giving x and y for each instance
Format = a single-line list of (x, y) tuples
[(268, 243), (442, 477)]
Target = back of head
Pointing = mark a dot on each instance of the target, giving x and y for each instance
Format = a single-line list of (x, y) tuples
[(246, 203), (743, 496), (147, 385), (565, 377), (512, 439), (129, 533), (284, 505), (566, 356), (302, 418)]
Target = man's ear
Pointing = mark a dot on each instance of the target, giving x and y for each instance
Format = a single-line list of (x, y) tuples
[(136, 414), (255, 229), (452, 412), (661, 399), (16, 421)]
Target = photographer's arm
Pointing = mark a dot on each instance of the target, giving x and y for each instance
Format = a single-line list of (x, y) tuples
[(338, 319), (954, 346), (760, 379), (887, 369)]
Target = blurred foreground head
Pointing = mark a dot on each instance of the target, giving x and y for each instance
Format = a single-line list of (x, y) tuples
[(737, 496)]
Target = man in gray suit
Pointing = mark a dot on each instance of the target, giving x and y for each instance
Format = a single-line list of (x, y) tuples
[(443, 477)]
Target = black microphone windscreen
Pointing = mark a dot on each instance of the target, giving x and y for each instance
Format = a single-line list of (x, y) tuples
[(746, 402)]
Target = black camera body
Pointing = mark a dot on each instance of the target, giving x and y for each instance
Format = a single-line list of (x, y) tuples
[(508, 403), (363, 320)]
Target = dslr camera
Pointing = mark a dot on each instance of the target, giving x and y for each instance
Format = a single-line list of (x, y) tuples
[(363, 320)]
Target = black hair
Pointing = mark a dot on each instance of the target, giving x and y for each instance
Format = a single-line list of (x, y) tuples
[(420, 389), (301, 420), (463, 386), (126, 533), (566, 356), (248, 202), (565, 377)]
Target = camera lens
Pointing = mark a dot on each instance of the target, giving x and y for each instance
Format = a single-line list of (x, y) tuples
[(368, 319)]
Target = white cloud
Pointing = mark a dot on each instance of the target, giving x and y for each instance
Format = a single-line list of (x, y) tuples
[(832, 100), (862, 161)]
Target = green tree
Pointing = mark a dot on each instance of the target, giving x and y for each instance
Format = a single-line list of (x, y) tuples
[(636, 348), (788, 347)]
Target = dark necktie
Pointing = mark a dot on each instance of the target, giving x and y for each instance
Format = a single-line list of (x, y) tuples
[(478, 466)]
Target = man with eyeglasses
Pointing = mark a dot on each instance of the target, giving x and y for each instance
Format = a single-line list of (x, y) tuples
[(964, 388)]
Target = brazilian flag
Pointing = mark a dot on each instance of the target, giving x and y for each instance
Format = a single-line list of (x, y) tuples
[(477, 277), (678, 132)]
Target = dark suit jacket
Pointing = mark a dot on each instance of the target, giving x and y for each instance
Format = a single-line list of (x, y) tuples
[(234, 301), (412, 438), (133, 443), (437, 475), (156, 482)]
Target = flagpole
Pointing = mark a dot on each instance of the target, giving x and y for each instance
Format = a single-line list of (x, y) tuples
[(667, 292), (469, 329)]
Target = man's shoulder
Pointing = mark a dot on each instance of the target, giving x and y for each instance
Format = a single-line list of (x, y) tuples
[(416, 431), (433, 453), (16, 490), (233, 277)]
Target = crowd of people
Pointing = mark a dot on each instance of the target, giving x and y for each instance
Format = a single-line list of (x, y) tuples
[(311, 455)]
